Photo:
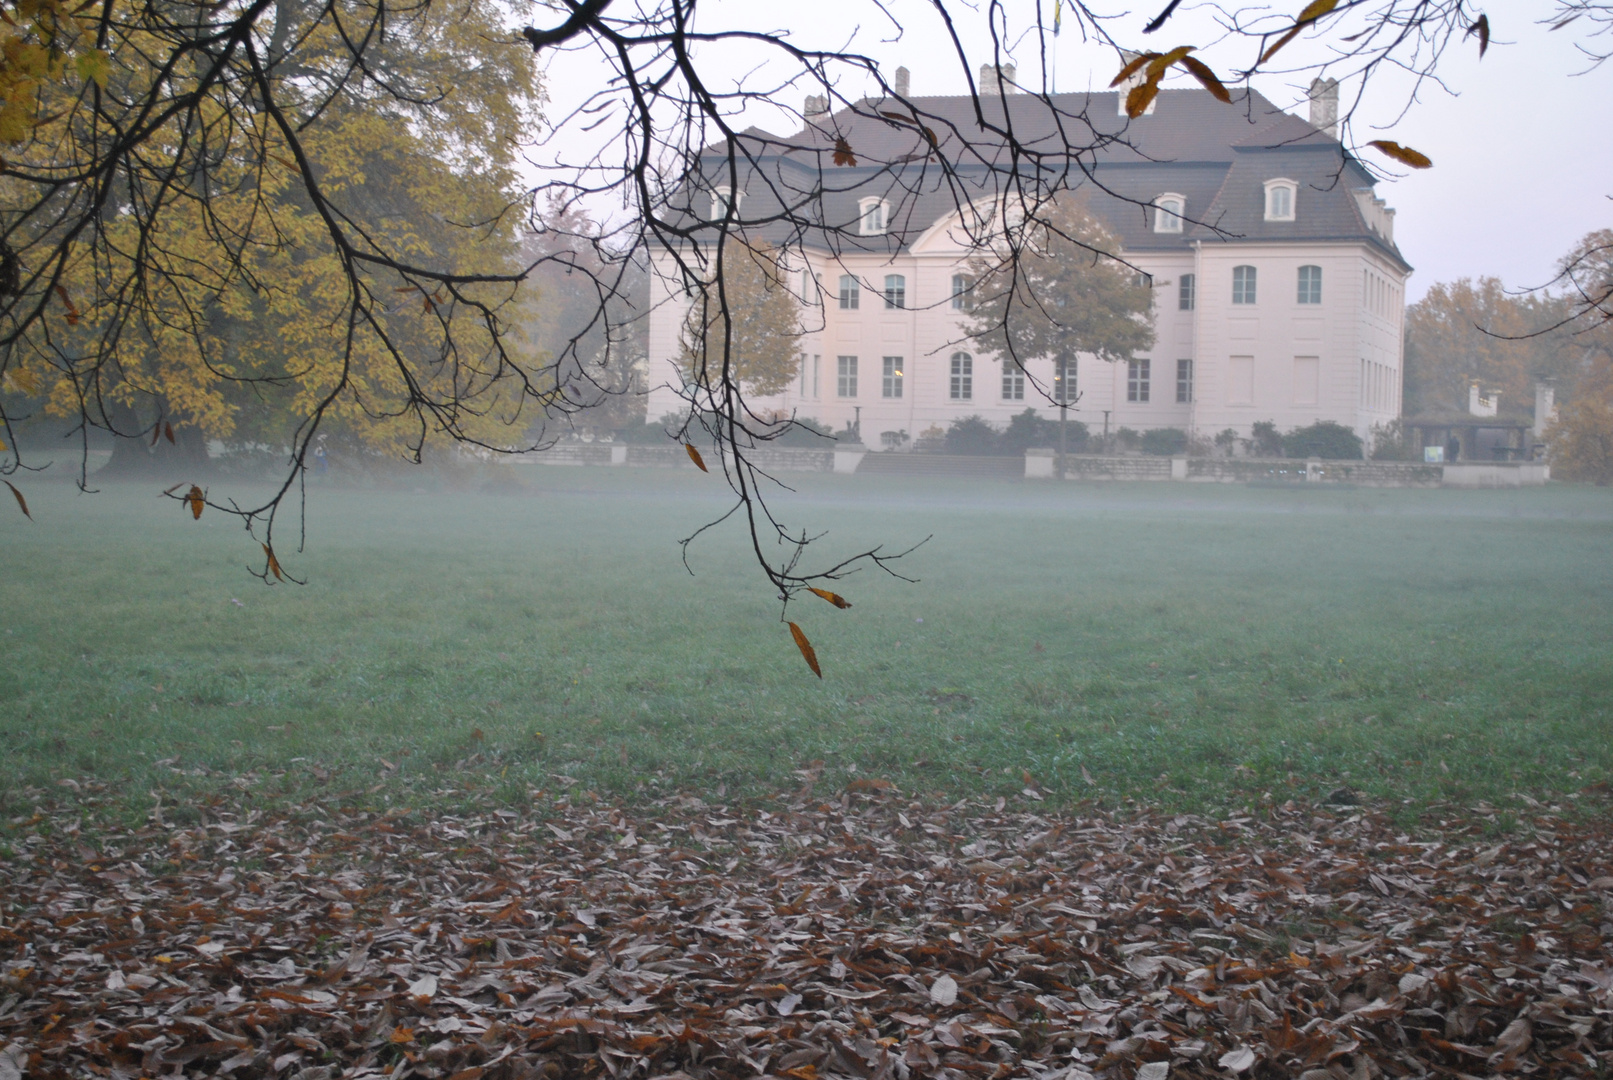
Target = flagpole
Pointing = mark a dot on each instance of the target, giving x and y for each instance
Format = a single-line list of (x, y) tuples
[(1058, 17)]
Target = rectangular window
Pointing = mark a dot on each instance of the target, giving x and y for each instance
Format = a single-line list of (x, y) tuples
[(815, 359), (846, 376), (1185, 289), (1307, 372), (1184, 381), (873, 217), (1243, 284), (962, 300), (963, 377), (850, 292), (1241, 380), (1013, 381), (809, 290), (891, 377), (1310, 284), (1064, 391), (1137, 380), (895, 291)]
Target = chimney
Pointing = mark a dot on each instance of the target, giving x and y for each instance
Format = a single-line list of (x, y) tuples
[(1324, 96), (900, 83), (989, 79), (816, 105), (1132, 80), (1545, 408), (1480, 405)]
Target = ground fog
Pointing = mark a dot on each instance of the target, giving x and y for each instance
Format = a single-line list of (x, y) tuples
[(1201, 647)]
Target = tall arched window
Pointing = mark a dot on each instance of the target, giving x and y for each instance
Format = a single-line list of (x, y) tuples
[(871, 216), (1243, 284), (1168, 209), (1310, 285), (895, 291), (963, 377), (850, 292)]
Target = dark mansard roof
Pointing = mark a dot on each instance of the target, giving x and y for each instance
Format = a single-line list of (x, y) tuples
[(1216, 156)]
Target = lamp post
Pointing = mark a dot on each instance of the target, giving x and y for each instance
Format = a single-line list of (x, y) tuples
[(1106, 431)]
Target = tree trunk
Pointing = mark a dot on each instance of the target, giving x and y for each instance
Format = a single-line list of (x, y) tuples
[(185, 458)]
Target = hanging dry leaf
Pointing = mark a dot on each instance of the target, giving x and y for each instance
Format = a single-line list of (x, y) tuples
[(843, 154), (1315, 10), (834, 598), (168, 431), (1207, 78), (67, 302), (1131, 67), (805, 646), (197, 500), (1140, 97), (274, 563), (1403, 154), (1279, 43), (1481, 27), (694, 456), (22, 502)]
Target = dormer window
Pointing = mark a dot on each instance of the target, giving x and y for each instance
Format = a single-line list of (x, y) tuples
[(1280, 198), (871, 216), (720, 199), (1168, 209)]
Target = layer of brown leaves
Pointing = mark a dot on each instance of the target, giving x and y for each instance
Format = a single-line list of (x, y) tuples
[(866, 937)]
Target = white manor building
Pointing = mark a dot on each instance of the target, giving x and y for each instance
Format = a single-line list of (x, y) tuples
[(1288, 309)]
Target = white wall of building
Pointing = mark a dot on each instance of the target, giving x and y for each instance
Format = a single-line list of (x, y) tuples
[(1276, 359)]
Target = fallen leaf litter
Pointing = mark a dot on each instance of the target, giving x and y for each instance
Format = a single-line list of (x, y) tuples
[(868, 937)]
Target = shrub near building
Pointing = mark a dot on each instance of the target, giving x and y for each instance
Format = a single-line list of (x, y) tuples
[(1327, 440)]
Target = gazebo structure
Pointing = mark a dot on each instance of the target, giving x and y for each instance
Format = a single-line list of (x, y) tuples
[(1461, 436)]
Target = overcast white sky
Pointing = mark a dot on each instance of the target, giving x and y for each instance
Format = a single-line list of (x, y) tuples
[(1522, 146)]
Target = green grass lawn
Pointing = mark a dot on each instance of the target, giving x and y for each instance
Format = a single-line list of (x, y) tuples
[(1195, 646)]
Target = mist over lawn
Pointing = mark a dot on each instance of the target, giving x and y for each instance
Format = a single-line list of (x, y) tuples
[(1189, 646)]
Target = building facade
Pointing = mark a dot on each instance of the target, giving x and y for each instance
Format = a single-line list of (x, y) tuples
[(1278, 287)]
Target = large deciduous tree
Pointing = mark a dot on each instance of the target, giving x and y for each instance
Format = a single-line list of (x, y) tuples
[(1582, 438), (751, 323), (1067, 292), (1467, 331)]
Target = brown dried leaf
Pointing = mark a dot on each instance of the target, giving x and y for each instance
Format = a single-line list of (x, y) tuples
[(805, 646), (21, 502), (1403, 154), (274, 563)]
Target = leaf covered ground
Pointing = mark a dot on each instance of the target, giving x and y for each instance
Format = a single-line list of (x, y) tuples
[(859, 934)]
